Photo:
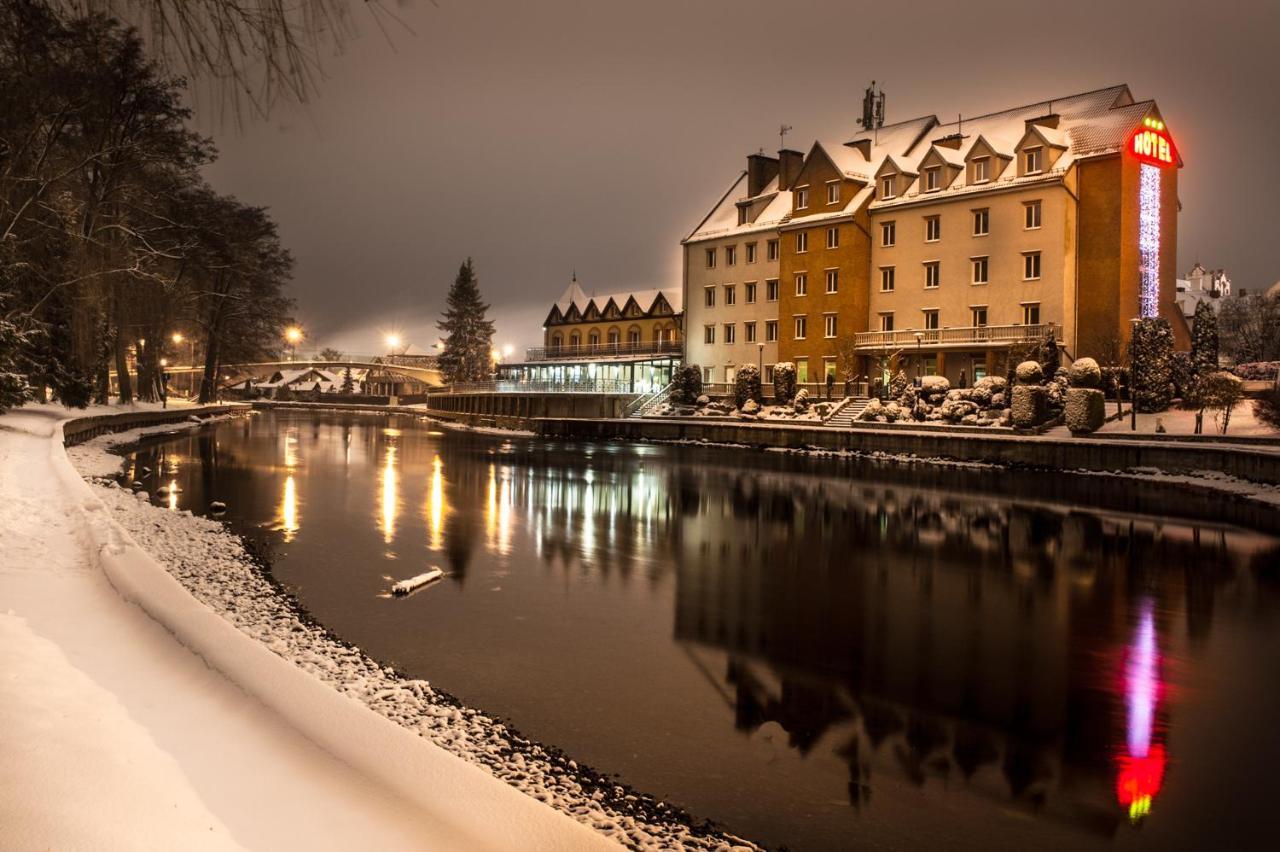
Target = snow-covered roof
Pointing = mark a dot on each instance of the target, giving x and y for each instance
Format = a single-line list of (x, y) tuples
[(574, 295)]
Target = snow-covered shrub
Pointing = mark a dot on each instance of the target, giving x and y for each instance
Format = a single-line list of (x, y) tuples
[(872, 411), (1029, 373), (1047, 353), (686, 384), (1029, 404), (800, 402), (14, 389), (746, 385), (784, 381), (1085, 373), (898, 384), (1085, 410), (1267, 407), (751, 407), (1257, 371), (1182, 373), (1151, 364), (702, 401), (1219, 392), (932, 384), (1204, 339)]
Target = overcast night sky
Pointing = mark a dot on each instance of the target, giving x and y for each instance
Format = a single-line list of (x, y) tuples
[(545, 136)]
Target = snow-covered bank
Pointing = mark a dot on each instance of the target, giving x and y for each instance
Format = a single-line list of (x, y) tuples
[(214, 565), (116, 736)]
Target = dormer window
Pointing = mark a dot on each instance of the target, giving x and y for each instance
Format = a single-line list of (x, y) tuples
[(802, 199), (742, 215), (886, 186), (932, 179), (833, 193), (981, 169), (1033, 159)]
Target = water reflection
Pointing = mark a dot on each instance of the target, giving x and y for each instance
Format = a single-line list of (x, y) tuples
[(389, 496), (1141, 766), (436, 506), (289, 509)]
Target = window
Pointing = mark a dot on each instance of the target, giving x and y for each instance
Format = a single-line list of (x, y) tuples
[(711, 258), (730, 333), (932, 274), (771, 250), (932, 179), (829, 325), (802, 371), (1031, 266), (730, 255), (709, 296), (751, 252), (730, 294), (981, 222), (886, 322), (801, 327), (888, 233), (802, 242), (706, 375), (1031, 314), (1032, 211), (886, 279), (615, 337), (593, 339), (742, 215), (708, 334), (768, 374), (833, 238), (833, 193), (981, 169), (770, 331), (978, 316), (750, 329), (932, 229), (750, 287), (1033, 160), (771, 290), (833, 280), (886, 186), (633, 336), (802, 284), (931, 320), (802, 199), (980, 270)]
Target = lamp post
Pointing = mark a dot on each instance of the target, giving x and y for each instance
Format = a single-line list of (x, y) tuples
[(1133, 375), (292, 335), (919, 359)]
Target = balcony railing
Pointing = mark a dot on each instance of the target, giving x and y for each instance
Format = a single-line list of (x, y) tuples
[(603, 350), (978, 335), (585, 385)]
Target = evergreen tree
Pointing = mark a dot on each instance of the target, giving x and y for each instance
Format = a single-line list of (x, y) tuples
[(348, 383), (1204, 339), (1151, 364), (13, 342), (469, 334)]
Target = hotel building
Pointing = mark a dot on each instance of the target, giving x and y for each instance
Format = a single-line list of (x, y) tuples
[(936, 246)]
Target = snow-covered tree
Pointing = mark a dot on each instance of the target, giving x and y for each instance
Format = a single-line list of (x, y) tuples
[(468, 342), (348, 383), (784, 381), (1204, 339), (1151, 364), (14, 389), (686, 384), (746, 384)]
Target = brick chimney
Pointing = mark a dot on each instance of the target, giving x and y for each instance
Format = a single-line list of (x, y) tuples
[(789, 168), (761, 168)]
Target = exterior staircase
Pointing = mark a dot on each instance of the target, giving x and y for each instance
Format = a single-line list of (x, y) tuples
[(846, 413), (645, 405)]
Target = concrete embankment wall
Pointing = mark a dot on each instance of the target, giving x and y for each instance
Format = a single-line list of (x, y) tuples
[(531, 405), (82, 429), (1092, 454)]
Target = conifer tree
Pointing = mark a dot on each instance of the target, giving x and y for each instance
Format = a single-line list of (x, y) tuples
[(1204, 340), (348, 383), (468, 331)]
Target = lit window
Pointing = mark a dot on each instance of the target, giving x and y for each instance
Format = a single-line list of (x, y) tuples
[(730, 332), (932, 229), (802, 199), (833, 193), (711, 258), (708, 334), (1032, 210), (730, 294), (802, 242), (802, 284), (886, 186), (771, 290), (771, 331), (981, 169), (802, 371), (886, 322), (750, 329), (1031, 314), (829, 325), (888, 233), (801, 327), (709, 296), (981, 222), (751, 252), (931, 320), (932, 179), (751, 292), (886, 279), (932, 274), (979, 316), (1031, 266), (833, 238), (771, 250), (730, 255), (980, 270), (833, 280), (1033, 160)]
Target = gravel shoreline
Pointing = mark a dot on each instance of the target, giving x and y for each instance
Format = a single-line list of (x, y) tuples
[(224, 572)]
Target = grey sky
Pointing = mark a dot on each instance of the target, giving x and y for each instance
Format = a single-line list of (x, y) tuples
[(539, 137)]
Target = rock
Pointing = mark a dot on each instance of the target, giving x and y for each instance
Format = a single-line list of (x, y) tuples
[(1030, 406), (136, 484), (217, 507), (872, 411), (969, 420), (750, 407), (1084, 410), (702, 400), (997, 399), (142, 495), (995, 384), (1029, 373)]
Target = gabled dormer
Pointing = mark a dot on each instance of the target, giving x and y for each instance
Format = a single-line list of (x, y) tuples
[(1039, 149), (826, 181), (984, 163), (611, 309), (893, 178), (661, 307), (632, 309), (939, 168), (555, 317), (592, 313), (573, 314)]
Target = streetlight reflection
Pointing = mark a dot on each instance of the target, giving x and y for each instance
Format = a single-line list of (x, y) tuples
[(435, 506), (390, 496)]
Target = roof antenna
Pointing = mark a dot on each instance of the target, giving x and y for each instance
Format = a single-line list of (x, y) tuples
[(872, 110), (783, 130)]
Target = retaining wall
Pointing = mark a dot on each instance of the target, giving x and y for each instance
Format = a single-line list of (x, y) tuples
[(81, 429)]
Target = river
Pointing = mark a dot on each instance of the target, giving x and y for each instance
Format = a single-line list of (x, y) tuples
[(815, 653)]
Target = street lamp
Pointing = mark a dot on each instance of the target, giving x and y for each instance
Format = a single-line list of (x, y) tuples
[(292, 335), (1133, 375), (393, 342), (919, 358)]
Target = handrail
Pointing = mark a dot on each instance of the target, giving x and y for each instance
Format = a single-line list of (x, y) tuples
[(907, 337), (604, 350), (642, 402)]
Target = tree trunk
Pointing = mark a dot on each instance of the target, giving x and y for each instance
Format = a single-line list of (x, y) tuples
[(121, 352)]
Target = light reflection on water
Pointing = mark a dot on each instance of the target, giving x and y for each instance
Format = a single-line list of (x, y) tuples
[(806, 650)]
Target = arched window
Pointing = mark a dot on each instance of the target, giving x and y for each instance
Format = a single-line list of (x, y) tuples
[(594, 340), (557, 340), (575, 341), (633, 334), (615, 336)]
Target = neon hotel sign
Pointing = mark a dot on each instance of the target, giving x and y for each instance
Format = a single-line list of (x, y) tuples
[(1154, 150), (1151, 144)]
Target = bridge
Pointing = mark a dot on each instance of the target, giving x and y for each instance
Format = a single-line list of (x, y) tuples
[(235, 373)]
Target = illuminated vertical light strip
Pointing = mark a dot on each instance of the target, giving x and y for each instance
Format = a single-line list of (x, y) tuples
[(1141, 684), (1149, 239)]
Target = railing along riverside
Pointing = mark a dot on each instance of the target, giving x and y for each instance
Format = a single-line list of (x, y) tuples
[(611, 386), (906, 337), (642, 402), (603, 350)]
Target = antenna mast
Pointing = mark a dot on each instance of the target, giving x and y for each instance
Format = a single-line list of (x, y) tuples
[(783, 130), (872, 110)]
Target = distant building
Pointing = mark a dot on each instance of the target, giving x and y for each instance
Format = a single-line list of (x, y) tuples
[(1202, 285), (628, 341), (305, 380)]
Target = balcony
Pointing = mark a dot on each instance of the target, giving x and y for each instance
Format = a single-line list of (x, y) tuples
[(952, 338), (603, 350)]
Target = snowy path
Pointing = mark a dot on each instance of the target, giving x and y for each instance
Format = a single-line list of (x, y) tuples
[(115, 736)]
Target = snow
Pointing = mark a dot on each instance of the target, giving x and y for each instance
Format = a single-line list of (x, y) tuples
[(132, 716), (1244, 423), (412, 584)]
